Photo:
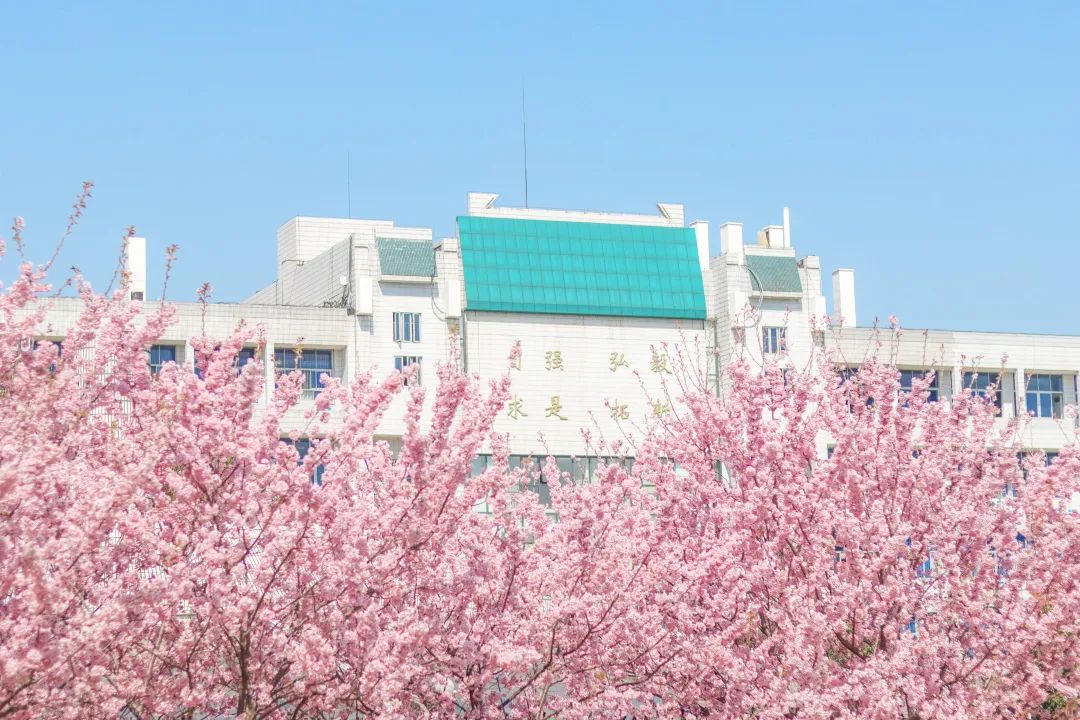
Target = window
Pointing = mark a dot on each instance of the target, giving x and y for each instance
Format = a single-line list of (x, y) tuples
[(38, 344), (303, 446), (159, 355), (312, 363), (908, 378), (925, 568), (406, 327), (773, 340), (1045, 396), (847, 375), (246, 355), (401, 362), (479, 465), (535, 480), (1003, 561), (980, 384), (1048, 456)]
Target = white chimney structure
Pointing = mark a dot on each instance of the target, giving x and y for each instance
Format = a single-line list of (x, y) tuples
[(843, 288), (731, 242), (135, 267)]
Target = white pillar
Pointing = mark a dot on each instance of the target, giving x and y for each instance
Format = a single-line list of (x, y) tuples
[(957, 382), (731, 242), (1019, 391), (135, 267), (843, 287)]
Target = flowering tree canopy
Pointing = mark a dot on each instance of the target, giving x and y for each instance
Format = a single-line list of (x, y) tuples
[(165, 554)]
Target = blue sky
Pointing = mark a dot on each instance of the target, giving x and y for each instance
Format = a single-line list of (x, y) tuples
[(934, 148)]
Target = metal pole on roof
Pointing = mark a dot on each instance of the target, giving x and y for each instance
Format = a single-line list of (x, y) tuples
[(525, 144)]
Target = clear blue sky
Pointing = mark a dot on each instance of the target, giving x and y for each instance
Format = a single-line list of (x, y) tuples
[(932, 147)]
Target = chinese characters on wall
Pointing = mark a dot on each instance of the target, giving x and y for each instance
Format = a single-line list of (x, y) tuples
[(555, 361)]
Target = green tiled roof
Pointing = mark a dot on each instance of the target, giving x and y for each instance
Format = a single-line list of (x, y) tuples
[(406, 257), (580, 268), (772, 274)]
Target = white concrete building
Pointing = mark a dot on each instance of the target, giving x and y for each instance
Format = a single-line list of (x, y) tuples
[(598, 301)]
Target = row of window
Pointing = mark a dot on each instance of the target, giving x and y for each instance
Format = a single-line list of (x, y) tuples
[(1044, 396), (313, 364)]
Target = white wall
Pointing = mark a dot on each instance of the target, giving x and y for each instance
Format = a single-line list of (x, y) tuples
[(585, 383)]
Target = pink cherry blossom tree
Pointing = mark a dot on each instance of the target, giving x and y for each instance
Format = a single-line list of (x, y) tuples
[(919, 571), (165, 553)]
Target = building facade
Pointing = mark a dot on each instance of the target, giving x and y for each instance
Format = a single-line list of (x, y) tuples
[(602, 305)]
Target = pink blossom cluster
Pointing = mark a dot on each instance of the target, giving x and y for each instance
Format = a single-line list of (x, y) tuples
[(165, 554)]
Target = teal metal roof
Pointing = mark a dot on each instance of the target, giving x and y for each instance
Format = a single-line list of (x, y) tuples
[(406, 257), (580, 268), (772, 274)]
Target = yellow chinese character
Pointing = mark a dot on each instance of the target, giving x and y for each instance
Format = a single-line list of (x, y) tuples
[(516, 410), (515, 362), (658, 364), (617, 360), (555, 408), (619, 412), (553, 360), (660, 409)]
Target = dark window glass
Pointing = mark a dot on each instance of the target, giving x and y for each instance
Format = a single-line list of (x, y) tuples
[(773, 340), (303, 447), (982, 384), (401, 362), (159, 355), (312, 363), (908, 378), (1045, 396)]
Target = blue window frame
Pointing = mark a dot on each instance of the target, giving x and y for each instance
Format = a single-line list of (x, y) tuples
[(847, 375), (908, 378), (401, 362), (303, 447), (983, 383), (773, 340), (925, 569), (1045, 395), (246, 355), (159, 355), (313, 364), (36, 344), (406, 327)]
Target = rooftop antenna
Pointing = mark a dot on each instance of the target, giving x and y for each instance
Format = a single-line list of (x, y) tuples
[(348, 180), (525, 144)]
